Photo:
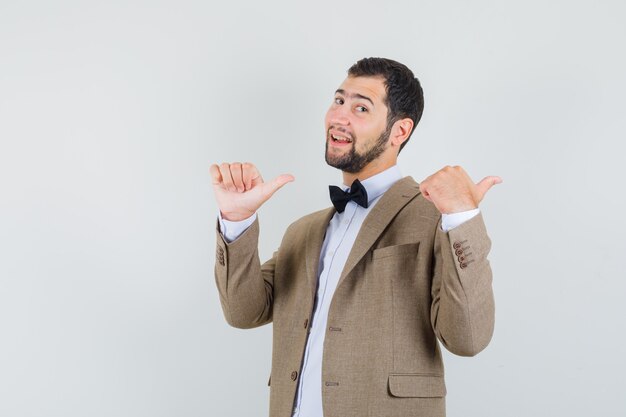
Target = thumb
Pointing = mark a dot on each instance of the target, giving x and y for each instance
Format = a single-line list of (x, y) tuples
[(486, 183), (277, 183)]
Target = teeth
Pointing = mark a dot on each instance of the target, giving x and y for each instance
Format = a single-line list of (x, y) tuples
[(340, 139)]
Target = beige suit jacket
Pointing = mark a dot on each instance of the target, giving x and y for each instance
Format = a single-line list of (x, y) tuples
[(406, 283)]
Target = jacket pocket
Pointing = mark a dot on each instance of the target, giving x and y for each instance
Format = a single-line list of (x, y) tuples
[(405, 249), (417, 385)]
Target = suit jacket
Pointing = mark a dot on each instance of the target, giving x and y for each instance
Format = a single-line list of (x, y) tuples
[(406, 283)]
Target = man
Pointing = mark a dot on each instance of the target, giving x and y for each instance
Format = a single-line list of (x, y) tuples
[(360, 292)]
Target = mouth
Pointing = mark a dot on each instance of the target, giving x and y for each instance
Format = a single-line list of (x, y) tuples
[(339, 139)]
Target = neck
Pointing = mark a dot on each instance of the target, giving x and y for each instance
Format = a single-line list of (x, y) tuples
[(371, 169)]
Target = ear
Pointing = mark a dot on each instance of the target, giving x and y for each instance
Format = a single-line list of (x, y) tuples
[(400, 131)]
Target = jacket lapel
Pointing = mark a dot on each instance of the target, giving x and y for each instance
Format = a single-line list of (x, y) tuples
[(377, 220)]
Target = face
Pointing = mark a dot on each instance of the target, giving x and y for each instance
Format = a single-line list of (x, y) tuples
[(356, 124)]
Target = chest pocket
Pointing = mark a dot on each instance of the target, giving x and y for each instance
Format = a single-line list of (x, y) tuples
[(395, 262), (404, 250)]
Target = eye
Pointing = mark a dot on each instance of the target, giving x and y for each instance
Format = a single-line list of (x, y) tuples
[(361, 109), (338, 100)]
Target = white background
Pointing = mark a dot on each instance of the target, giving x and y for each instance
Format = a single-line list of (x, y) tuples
[(111, 113)]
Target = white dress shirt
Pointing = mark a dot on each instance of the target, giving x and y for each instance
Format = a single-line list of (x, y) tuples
[(341, 233)]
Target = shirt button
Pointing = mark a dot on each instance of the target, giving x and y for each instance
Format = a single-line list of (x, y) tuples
[(331, 253), (294, 375)]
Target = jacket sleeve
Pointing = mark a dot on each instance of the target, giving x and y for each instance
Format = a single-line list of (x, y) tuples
[(463, 309), (246, 288)]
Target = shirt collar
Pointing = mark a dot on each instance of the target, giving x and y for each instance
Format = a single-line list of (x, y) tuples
[(376, 185)]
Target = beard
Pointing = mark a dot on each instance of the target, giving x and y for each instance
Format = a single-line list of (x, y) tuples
[(353, 161)]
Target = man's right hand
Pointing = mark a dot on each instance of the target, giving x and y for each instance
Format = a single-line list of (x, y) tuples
[(239, 189)]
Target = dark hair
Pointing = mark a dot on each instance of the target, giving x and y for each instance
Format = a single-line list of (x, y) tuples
[(404, 97)]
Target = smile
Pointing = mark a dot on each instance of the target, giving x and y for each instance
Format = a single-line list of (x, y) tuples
[(339, 139)]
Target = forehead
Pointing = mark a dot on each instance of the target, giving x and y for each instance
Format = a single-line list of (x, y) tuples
[(372, 87)]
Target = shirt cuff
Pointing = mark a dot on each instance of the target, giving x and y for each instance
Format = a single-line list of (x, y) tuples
[(232, 230), (452, 220)]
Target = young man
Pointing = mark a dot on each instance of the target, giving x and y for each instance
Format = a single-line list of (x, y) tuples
[(360, 292)]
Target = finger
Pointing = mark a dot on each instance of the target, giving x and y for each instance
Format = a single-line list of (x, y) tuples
[(226, 177), (278, 182), (486, 183), (255, 177), (427, 196), (236, 174), (248, 170), (424, 188), (216, 176)]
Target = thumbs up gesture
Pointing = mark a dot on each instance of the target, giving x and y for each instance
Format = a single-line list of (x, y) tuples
[(240, 190), (451, 190)]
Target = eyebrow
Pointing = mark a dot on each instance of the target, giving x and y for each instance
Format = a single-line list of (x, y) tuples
[(361, 96)]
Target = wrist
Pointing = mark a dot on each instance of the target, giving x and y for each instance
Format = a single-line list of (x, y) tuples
[(460, 208), (235, 217)]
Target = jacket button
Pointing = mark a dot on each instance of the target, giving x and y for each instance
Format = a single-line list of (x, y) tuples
[(294, 375), (463, 265), (459, 252), (456, 245), (306, 323)]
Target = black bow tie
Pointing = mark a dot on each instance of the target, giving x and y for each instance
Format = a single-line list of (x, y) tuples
[(340, 198)]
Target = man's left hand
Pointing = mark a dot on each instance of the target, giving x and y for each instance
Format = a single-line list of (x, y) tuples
[(451, 190)]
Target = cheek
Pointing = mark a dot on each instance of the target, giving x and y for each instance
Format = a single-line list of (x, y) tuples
[(365, 136), (361, 133)]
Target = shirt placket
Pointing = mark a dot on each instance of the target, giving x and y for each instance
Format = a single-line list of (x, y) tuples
[(323, 300)]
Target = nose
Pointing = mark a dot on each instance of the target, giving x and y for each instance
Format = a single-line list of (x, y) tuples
[(338, 116)]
